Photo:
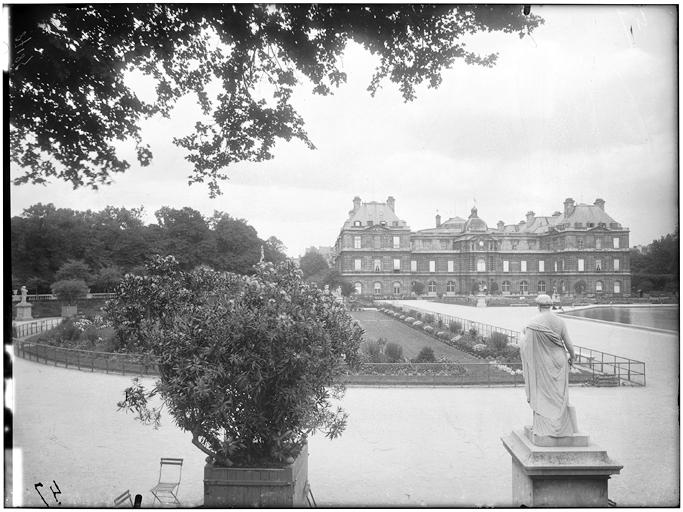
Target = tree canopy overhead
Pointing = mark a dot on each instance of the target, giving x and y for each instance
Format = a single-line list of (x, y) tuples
[(70, 101)]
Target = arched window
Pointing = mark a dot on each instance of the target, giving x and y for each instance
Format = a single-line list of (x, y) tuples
[(524, 287), (378, 288), (563, 287), (481, 265), (505, 287), (617, 286), (397, 287), (541, 287), (431, 287), (359, 288), (598, 286), (450, 287)]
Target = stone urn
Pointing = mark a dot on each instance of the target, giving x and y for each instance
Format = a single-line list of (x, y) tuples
[(277, 487)]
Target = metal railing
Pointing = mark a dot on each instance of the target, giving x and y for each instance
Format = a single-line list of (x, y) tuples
[(33, 297), (108, 362), (482, 329), (29, 329)]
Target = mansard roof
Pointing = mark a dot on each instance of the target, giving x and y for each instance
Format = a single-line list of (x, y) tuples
[(375, 212), (585, 214)]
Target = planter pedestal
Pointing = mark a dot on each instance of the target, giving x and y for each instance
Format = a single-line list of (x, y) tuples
[(24, 311), (565, 472), (69, 311), (257, 487)]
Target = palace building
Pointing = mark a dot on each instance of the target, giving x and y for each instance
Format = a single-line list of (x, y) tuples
[(578, 251)]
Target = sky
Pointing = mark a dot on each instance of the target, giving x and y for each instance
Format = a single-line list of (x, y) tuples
[(585, 108)]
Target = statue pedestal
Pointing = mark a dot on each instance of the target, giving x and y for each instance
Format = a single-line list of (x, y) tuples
[(571, 472), (24, 311), (481, 301)]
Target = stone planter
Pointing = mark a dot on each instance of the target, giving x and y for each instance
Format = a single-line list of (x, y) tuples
[(69, 311), (257, 487)]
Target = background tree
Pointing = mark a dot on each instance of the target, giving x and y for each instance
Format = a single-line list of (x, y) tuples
[(69, 290), (334, 279), (69, 99), (314, 266), (75, 270), (237, 247), (274, 250), (108, 278), (656, 266), (418, 287)]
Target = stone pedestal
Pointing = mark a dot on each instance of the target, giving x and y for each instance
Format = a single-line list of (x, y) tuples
[(481, 301), (24, 311), (563, 472)]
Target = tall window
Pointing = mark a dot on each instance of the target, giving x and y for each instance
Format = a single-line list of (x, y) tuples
[(359, 288), (615, 242), (598, 265), (616, 264), (397, 242), (378, 288), (562, 265), (579, 243), (541, 266), (451, 266), (541, 287), (523, 265), (505, 287), (356, 242), (377, 265), (413, 265), (598, 243), (397, 265), (556, 266), (617, 286), (524, 287), (563, 287), (397, 288), (357, 264), (506, 266), (580, 262), (598, 286), (432, 266), (481, 265), (450, 287), (431, 287)]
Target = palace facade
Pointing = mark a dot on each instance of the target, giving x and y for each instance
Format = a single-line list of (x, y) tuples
[(578, 251)]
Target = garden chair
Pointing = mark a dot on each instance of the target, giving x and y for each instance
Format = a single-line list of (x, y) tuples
[(120, 501), (170, 472)]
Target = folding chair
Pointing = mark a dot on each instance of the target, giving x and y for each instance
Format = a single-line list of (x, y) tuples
[(120, 501), (170, 472)]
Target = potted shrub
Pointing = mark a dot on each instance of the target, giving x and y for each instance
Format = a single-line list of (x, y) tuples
[(68, 291), (248, 374)]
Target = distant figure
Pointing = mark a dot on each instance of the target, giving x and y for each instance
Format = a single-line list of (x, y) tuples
[(24, 293), (543, 350)]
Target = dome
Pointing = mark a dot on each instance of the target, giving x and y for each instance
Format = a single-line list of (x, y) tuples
[(474, 223)]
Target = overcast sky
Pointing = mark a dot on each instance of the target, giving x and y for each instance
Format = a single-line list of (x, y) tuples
[(586, 108)]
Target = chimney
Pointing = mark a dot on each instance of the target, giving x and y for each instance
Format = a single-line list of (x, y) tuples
[(391, 203), (530, 216), (568, 207), (556, 214), (501, 225), (600, 203), (438, 220), (356, 203)]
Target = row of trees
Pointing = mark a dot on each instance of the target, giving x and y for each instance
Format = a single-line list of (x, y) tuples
[(655, 267), (100, 246), (316, 269)]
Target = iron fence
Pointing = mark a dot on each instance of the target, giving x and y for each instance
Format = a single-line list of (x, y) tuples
[(28, 329), (108, 362)]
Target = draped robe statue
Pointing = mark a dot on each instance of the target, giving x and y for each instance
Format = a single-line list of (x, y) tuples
[(546, 375)]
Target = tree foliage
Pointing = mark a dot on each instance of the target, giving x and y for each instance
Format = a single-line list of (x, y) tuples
[(68, 290), (70, 100), (314, 265), (44, 239), (247, 363), (418, 287), (75, 269)]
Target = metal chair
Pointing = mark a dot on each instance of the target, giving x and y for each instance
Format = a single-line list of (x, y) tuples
[(120, 501), (166, 490)]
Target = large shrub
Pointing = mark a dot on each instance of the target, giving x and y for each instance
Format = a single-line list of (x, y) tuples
[(497, 341), (426, 355), (68, 290), (393, 352), (249, 368), (455, 327)]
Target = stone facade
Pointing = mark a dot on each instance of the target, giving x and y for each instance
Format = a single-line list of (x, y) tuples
[(580, 251)]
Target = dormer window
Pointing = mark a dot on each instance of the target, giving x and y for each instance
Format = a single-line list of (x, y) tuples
[(383, 223), (356, 223), (370, 223), (394, 223)]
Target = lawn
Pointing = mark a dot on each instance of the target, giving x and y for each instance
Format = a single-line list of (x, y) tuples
[(378, 325)]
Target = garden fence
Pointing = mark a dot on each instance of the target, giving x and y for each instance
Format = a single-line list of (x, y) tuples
[(29, 329)]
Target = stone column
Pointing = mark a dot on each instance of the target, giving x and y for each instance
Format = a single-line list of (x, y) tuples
[(558, 471)]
